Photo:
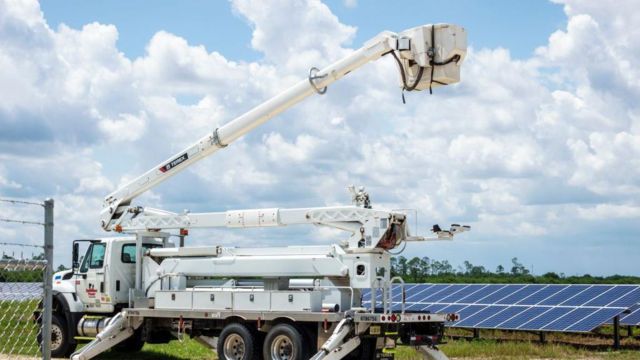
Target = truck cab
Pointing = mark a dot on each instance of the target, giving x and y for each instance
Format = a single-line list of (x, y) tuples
[(106, 272), (97, 285)]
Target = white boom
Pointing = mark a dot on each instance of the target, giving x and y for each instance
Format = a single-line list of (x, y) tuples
[(427, 56), (378, 228)]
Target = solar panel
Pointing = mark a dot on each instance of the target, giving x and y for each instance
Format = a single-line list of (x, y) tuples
[(501, 317), (545, 318), (587, 295), (633, 318), (610, 296), (534, 307), (598, 318), (464, 292), (480, 315), (515, 322), (570, 318), (540, 295), (565, 293), (520, 295), (628, 300)]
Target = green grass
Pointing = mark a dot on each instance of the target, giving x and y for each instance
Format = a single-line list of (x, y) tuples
[(491, 349), (174, 350), (18, 334), (18, 331), (460, 349)]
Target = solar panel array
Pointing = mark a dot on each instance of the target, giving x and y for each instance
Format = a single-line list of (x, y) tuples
[(633, 318), (534, 307)]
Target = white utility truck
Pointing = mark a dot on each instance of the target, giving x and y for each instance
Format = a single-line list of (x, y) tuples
[(295, 302)]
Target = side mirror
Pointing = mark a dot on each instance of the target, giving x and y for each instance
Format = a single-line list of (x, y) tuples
[(74, 260)]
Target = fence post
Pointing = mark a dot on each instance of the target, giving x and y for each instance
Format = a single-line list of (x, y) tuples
[(48, 274)]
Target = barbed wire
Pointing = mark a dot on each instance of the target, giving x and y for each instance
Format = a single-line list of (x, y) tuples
[(24, 222), (18, 244), (12, 201)]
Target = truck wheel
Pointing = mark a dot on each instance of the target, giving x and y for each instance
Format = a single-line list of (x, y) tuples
[(236, 342), (60, 345), (284, 342)]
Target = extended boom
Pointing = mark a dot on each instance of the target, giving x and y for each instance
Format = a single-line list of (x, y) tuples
[(427, 56)]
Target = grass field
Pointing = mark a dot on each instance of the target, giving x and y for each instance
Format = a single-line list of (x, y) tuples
[(458, 349), (18, 333), (455, 349)]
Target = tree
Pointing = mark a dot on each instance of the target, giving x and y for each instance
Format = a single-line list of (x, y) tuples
[(468, 267), (436, 268), (414, 269), (518, 268), (402, 266), (394, 266), (446, 267), (477, 271), (61, 268), (425, 264), (421, 269)]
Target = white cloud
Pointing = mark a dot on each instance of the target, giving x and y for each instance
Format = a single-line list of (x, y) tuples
[(78, 116), (609, 211), (300, 150), (6, 183), (126, 127), (516, 156), (294, 34)]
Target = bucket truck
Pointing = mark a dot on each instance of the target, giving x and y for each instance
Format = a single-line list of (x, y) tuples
[(294, 302)]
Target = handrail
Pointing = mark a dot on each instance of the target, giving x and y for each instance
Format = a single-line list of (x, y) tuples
[(401, 281)]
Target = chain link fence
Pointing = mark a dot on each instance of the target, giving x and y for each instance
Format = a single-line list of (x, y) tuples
[(25, 282)]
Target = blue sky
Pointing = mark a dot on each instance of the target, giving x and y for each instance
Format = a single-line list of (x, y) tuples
[(520, 26), (538, 147)]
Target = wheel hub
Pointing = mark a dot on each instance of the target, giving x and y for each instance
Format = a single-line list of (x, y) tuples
[(234, 347), (56, 337), (282, 348)]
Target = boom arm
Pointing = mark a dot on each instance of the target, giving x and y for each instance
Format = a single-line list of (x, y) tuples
[(436, 50)]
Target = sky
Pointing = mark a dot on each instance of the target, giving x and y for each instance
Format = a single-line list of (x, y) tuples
[(537, 148)]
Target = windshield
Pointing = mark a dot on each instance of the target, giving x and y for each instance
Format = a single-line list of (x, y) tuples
[(94, 258)]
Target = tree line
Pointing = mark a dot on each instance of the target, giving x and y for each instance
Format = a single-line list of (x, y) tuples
[(421, 270)]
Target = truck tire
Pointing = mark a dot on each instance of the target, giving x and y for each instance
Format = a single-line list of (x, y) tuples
[(60, 338), (284, 342), (237, 342)]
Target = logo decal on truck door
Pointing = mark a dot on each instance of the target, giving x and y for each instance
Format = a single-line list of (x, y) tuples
[(91, 291)]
